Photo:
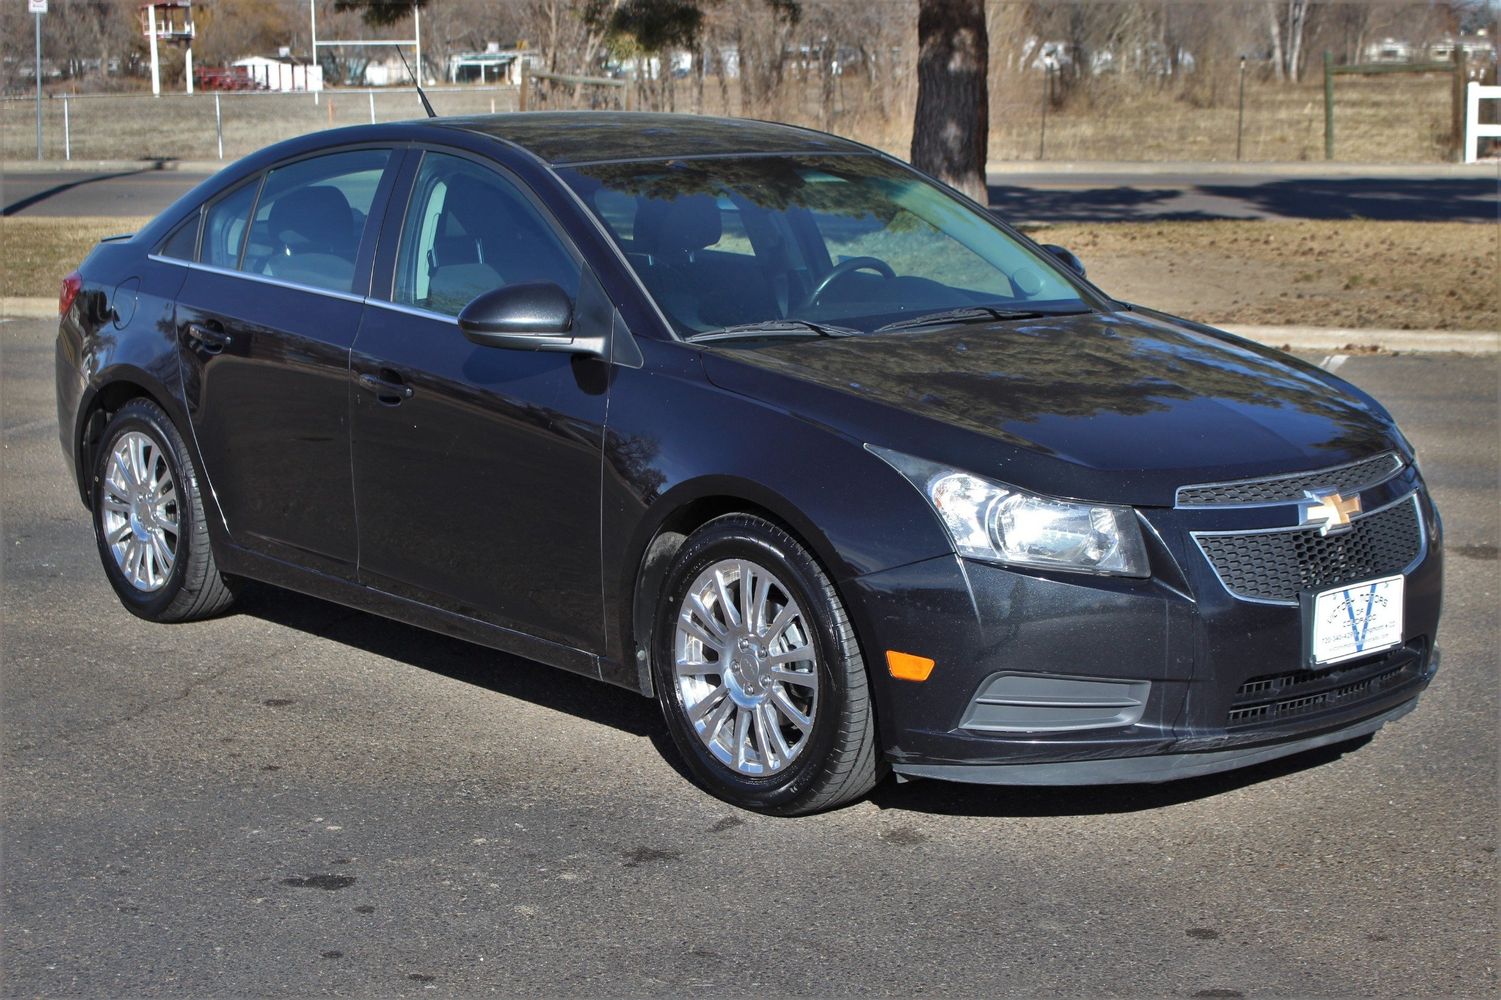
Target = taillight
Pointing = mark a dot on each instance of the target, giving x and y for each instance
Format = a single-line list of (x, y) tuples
[(71, 284)]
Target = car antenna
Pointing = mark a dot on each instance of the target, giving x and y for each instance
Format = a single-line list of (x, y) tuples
[(417, 83)]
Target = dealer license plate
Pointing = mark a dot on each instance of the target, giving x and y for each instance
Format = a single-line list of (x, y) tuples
[(1357, 620)]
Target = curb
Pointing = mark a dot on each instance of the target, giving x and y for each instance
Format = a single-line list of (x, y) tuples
[(1296, 338), (1342, 340)]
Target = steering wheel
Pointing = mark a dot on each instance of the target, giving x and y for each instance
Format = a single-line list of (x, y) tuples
[(845, 267)]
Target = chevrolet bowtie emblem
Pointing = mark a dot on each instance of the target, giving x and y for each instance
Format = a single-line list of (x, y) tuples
[(1327, 509)]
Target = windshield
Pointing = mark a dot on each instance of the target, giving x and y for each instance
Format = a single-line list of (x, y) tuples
[(813, 246)]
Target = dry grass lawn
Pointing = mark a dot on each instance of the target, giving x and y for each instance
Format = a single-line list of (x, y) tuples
[(1384, 275), (1388, 275)]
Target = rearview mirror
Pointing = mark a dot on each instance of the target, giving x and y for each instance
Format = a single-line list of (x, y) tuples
[(534, 316), (1065, 255)]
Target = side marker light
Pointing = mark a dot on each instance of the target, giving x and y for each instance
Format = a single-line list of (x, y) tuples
[(906, 667)]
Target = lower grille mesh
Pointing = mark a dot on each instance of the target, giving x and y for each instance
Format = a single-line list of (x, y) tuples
[(1273, 698)]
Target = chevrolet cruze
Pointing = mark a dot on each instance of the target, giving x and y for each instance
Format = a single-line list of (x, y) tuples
[(847, 474)]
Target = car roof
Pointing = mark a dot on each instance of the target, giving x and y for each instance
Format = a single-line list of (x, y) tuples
[(563, 137)]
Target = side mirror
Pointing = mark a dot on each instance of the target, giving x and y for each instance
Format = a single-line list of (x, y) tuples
[(1073, 263), (535, 316)]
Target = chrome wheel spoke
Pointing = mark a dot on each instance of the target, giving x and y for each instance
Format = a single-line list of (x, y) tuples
[(798, 655), (746, 672), (722, 592), (742, 740), (808, 681), (709, 701), (784, 704)]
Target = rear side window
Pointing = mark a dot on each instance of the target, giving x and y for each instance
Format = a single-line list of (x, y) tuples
[(468, 230), (311, 217), (225, 224), (183, 243)]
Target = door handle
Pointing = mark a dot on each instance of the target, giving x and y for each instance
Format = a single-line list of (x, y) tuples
[(211, 340), (388, 392)]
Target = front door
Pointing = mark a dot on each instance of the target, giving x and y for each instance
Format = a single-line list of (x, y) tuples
[(265, 322), (477, 469)]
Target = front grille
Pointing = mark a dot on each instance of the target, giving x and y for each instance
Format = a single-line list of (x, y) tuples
[(1346, 479), (1276, 566), (1275, 697)]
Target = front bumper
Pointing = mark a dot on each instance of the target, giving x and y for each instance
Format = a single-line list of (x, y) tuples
[(1169, 765), (1135, 680)]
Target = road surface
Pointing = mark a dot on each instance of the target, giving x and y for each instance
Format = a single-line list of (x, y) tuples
[(298, 799)]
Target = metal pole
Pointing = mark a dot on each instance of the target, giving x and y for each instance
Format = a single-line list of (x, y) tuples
[(312, 13), (417, 37), (1240, 116), (1328, 105), (67, 132), (156, 73), (219, 124), (1047, 93), (372, 106), (187, 64), (38, 86)]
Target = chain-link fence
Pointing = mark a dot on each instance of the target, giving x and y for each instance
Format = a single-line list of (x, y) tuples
[(193, 126)]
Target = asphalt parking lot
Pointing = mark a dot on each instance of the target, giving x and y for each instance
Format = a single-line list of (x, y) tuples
[(299, 799)]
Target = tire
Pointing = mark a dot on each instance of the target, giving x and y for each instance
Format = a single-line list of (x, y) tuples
[(807, 741), (148, 520)]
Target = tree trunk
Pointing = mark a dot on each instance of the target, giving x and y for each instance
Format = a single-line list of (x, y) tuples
[(950, 130), (1275, 25), (1297, 19)]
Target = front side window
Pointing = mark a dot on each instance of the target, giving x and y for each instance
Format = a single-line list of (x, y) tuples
[(311, 216), (468, 230), (854, 242)]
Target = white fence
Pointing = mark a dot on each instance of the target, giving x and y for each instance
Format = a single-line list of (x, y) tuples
[(1474, 131)]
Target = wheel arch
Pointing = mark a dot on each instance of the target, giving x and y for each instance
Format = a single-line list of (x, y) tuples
[(684, 510), (99, 403)]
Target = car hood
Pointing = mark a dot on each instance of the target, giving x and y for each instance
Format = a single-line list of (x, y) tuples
[(1118, 406)]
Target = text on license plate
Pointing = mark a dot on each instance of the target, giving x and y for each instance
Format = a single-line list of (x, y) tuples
[(1357, 620)]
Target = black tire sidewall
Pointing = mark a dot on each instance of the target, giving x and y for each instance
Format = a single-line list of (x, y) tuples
[(151, 421), (742, 538)]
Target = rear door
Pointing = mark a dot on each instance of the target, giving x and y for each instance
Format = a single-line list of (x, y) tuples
[(265, 322), (477, 469)]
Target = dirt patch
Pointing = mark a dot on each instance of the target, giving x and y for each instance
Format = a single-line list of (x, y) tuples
[(1357, 274)]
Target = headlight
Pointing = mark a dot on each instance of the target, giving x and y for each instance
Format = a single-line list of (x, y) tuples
[(989, 520)]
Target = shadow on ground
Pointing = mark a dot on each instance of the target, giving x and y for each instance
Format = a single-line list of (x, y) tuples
[(606, 705), (1387, 199)]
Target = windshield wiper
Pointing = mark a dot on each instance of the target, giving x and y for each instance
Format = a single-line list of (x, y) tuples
[(966, 314), (772, 328)]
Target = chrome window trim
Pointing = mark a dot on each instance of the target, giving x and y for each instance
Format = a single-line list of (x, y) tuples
[(417, 311), (1411, 497), (263, 279), (1396, 469)]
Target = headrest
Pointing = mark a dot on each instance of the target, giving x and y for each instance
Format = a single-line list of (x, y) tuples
[(314, 219), (688, 223)]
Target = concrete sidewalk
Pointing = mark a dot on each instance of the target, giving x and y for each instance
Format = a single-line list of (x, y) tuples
[(1297, 338)]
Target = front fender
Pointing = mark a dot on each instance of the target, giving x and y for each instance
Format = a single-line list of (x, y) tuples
[(729, 452)]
